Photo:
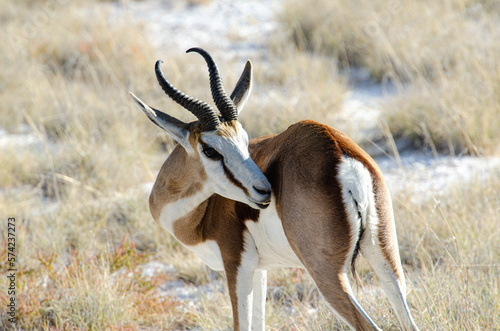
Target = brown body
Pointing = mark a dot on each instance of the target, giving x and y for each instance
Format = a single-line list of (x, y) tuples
[(303, 160), (308, 197)]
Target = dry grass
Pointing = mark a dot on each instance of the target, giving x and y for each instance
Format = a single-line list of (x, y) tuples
[(444, 53), (78, 191), (403, 39), (66, 80), (87, 293), (292, 87), (457, 113), (451, 246)]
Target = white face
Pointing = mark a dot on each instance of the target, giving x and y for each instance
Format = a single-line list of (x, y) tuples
[(230, 169)]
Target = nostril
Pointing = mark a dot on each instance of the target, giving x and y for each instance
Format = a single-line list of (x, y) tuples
[(262, 192)]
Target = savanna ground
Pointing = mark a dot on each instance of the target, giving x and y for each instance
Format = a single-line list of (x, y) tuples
[(76, 159)]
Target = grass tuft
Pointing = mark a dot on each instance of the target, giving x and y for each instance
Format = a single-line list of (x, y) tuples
[(444, 53)]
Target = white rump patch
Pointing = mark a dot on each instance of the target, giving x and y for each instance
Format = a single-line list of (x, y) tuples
[(357, 193)]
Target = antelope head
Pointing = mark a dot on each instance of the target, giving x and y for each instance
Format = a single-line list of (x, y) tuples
[(217, 141)]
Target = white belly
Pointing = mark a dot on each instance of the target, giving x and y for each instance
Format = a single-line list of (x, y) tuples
[(272, 245)]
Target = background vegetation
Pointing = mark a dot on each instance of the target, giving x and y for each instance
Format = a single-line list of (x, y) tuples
[(443, 54), (76, 175)]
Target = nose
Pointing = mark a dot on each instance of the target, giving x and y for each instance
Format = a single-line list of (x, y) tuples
[(265, 192)]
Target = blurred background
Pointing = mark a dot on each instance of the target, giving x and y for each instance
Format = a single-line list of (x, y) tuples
[(414, 82)]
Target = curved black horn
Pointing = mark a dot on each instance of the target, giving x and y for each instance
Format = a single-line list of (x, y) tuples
[(222, 100), (202, 110)]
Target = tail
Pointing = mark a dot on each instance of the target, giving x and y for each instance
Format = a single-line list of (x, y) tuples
[(361, 231)]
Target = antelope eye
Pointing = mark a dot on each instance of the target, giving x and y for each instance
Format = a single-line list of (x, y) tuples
[(212, 153)]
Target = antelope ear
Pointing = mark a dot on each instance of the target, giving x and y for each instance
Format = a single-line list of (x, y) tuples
[(174, 127), (243, 87)]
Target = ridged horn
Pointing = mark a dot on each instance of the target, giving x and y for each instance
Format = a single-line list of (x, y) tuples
[(223, 102), (202, 110)]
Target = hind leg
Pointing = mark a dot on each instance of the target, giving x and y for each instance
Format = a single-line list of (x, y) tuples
[(326, 255), (337, 292), (379, 246)]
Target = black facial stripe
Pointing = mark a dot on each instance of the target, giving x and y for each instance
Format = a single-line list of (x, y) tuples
[(229, 174), (233, 179)]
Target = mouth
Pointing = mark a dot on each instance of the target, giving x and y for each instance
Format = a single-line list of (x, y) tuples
[(263, 205), (260, 195)]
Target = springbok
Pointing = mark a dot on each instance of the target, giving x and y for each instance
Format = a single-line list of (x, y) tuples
[(308, 197)]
